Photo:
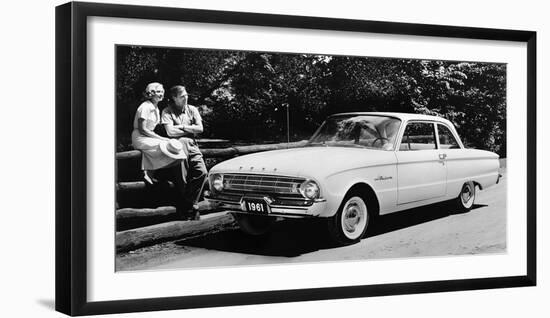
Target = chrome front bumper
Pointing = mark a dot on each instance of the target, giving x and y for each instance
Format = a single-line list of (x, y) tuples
[(279, 207)]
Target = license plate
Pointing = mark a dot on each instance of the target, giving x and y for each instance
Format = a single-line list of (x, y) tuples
[(256, 206)]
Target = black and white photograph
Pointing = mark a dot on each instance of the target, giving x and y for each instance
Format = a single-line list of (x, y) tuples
[(231, 158), (225, 157)]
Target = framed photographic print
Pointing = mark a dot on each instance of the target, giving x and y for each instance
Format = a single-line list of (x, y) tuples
[(208, 158)]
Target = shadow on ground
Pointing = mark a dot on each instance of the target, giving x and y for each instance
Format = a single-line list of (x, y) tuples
[(48, 303), (294, 237)]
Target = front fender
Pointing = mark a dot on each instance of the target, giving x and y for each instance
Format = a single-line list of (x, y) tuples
[(382, 179)]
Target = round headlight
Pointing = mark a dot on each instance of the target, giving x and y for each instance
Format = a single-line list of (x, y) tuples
[(310, 190), (216, 181)]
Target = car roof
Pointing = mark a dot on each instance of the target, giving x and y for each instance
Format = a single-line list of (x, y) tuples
[(402, 116)]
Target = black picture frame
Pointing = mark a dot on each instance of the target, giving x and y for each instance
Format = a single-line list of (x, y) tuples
[(71, 157)]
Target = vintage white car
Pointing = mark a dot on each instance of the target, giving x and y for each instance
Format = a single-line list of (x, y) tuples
[(355, 167)]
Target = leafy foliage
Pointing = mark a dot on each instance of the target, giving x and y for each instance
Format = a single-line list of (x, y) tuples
[(246, 95)]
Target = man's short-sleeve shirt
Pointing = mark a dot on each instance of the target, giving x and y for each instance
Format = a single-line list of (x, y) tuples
[(189, 116)]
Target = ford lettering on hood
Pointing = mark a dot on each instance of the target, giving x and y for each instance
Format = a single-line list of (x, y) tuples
[(305, 162)]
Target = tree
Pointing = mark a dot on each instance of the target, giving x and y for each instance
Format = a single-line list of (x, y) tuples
[(251, 91)]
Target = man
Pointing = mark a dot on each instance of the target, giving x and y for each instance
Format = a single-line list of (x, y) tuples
[(183, 121)]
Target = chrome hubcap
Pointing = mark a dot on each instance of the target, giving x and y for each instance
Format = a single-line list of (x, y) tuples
[(352, 218)]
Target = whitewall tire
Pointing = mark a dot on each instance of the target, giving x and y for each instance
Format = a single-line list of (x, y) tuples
[(467, 196), (350, 223)]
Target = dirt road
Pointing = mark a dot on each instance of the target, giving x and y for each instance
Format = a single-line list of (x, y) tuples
[(426, 231)]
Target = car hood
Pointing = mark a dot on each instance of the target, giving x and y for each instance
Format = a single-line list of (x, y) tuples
[(307, 162)]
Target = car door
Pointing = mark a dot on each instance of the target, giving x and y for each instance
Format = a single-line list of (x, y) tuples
[(421, 169), (457, 165)]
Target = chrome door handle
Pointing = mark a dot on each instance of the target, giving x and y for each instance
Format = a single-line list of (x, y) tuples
[(442, 156)]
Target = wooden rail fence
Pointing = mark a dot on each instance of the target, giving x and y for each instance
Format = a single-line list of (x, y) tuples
[(222, 153), (159, 208)]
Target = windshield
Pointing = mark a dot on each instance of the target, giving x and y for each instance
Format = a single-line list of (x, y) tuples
[(367, 131)]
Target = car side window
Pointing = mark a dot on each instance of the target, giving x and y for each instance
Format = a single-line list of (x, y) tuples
[(446, 138), (418, 136)]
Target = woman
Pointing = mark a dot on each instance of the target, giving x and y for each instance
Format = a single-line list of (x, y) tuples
[(144, 137)]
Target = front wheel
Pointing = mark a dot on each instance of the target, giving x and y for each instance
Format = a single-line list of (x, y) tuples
[(350, 223), (254, 224), (467, 196)]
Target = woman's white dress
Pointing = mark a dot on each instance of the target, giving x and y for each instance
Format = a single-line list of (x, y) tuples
[(152, 156)]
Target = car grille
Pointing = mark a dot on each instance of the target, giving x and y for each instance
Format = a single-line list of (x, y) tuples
[(262, 184)]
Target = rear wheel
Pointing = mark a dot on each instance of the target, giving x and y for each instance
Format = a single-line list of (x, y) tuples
[(350, 223), (466, 198), (254, 224)]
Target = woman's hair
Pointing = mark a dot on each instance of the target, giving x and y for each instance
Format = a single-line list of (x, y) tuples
[(175, 90), (150, 90)]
